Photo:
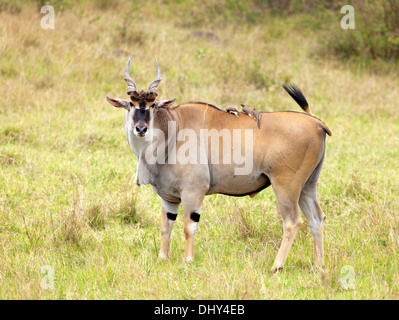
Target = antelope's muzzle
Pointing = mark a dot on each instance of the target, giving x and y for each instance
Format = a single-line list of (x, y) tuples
[(141, 130)]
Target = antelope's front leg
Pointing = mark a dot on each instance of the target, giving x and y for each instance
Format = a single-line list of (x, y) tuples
[(192, 210), (168, 217)]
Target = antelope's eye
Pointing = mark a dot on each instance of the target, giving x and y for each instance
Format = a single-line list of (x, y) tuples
[(131, 104), (153, 105)]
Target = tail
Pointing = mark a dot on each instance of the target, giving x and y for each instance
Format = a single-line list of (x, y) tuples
[(298, 96)]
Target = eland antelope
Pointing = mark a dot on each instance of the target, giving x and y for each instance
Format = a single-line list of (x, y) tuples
[(284, 149)]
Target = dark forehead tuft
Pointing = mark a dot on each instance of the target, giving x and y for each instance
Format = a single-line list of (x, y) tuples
[(143, 95)]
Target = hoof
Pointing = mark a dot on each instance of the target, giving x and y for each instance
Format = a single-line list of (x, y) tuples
[(277, 269), (162, 256), (189, 260)]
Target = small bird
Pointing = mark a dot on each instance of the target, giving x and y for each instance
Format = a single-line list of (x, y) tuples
[(246, 110), (232, 110), (257, 116)]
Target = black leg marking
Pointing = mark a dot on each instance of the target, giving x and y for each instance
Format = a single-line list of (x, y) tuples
[(171, 216), (195, 216)]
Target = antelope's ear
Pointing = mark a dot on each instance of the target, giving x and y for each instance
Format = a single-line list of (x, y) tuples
[(165, 103), (119, 103)]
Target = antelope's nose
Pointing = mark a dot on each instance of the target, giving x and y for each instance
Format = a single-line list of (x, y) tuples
[(141, 130)]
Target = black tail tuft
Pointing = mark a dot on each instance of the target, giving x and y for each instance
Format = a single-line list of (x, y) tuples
[(298, 96)]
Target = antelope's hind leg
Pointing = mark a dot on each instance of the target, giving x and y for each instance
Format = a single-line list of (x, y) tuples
[(314, 214), (168, 216), (287, 200)]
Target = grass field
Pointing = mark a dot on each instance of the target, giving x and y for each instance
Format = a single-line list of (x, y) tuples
[(67, 197)]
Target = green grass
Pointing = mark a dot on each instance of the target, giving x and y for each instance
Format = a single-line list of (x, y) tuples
[(67, 197)]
